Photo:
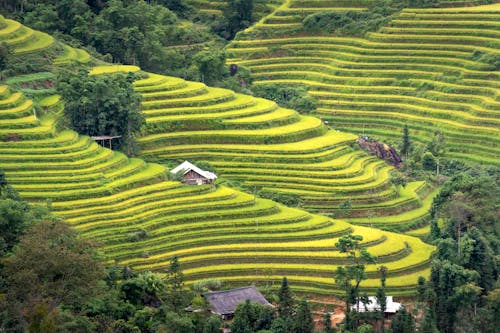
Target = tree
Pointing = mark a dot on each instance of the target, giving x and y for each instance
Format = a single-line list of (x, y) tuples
[(429, 323), (398, 179), (239, 15), (144, 289), (51, 265), (175, 285), (403, 322), (303, 319), (406, 142), (179, 324), (285, 299), (213, 325), (437, 147), (365, 328), (211, 65), (445, 279), (102, 105), (42, 319), (345, 207), (5, 54), (252, 317), (350, 245), (381, 295), (282, 325), (15, 217), (327, 322), (244, 317)]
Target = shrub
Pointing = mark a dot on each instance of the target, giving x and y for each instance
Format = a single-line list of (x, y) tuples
[(291, 97), (352, 22)]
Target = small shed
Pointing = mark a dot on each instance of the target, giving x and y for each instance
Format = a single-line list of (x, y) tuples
[(224, 303), (192, 175), (372, 306)]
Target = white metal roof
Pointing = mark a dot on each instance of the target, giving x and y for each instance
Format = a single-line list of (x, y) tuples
[(187, 166), (391, 306)]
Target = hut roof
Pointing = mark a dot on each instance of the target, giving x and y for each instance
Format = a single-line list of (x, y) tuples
[(187, 166), (105, 137), (225, 302), (391, 306)]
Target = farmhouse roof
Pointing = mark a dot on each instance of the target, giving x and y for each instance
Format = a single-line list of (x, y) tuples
[(106, 137), (225, 302), (391, 306), (186, 166)]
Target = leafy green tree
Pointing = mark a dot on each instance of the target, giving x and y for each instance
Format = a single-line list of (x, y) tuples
[(381, 295), (286, 302), (122, 326), (177, 296), (42, 319), (327, 322), (403, 322), (365, 328), (290, 97), (211, 65), (244, 318), (15, 217), (213, 325), (345, 207), (406, 145), (282, 325), (179, 324), (5, 54), (428, 323), (52, 265), (239, 15), (429, 161), (252, 317), (446, 277), (144, 289), (102, 105), (303, 318), (351, 245), (437, 147), (398, 179)]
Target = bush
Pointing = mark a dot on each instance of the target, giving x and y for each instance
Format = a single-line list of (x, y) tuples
[(352, 22), (490, 59), (295, 98), (429, 161)]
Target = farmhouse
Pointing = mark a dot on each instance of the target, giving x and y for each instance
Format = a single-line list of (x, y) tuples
[(224, 303), (192, 175), (372, 306)]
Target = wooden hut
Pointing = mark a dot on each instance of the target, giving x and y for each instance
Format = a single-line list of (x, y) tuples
[(224, 303), (192, 175)]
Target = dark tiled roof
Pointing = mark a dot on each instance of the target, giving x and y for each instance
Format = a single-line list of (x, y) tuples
[(225, 302)]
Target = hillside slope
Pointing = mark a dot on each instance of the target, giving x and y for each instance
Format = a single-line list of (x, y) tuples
[(428, 68), (142, 219), (274, 151)]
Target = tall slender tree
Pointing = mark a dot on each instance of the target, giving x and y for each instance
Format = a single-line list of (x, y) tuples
[(303, 318), (285, 299), (406, 142)]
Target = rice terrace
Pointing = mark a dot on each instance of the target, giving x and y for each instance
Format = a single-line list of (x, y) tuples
[(347, 148)]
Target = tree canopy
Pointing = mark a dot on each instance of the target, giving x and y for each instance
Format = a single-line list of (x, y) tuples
[(102, 105)]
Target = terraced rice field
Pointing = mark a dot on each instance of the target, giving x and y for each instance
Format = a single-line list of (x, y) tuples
[(273, 150), (424, 69), (25, 41), (142, 219), (216, 8)]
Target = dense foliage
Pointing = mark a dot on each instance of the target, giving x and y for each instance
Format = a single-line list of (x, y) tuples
[(353, 23), (290, 97), (102, 105)]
